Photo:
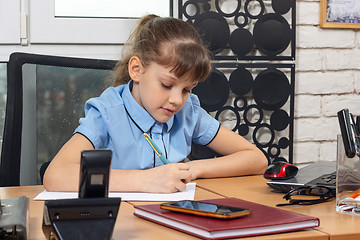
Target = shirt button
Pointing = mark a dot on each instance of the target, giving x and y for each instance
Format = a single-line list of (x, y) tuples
[(157, 136)]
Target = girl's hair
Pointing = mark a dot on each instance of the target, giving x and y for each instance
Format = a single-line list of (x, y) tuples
[(169, 42)]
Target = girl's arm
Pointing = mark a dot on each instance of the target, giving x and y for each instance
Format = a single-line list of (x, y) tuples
[(240, 157), (63, 173)]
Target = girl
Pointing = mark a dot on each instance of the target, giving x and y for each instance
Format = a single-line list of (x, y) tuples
[(165, 60)]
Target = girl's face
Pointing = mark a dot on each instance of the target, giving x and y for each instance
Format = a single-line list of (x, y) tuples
[(159, 91)]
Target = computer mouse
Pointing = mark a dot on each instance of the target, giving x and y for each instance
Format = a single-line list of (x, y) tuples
[(280, 170)]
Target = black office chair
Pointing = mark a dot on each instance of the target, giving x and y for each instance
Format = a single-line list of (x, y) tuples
[(45, 99)]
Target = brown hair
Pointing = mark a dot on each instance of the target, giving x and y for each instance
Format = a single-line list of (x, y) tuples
[(169, 42)]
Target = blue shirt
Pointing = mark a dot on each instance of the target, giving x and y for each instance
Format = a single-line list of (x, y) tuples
[(107, 125)]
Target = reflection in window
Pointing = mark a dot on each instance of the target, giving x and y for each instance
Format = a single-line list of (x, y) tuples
[(2, 99), (112, 8), (61, 94)]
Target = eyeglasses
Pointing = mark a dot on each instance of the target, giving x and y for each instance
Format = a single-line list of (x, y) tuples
[(314, 195)]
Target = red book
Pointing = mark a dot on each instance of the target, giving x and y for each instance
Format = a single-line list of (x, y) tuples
[(263, 220)]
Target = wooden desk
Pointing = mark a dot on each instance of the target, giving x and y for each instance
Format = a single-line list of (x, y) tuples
[(254, 188), (127, 225), (35, 207), (130, 227)]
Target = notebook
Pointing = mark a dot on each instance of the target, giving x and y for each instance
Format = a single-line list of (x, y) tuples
[(309, 175), (263, 220)]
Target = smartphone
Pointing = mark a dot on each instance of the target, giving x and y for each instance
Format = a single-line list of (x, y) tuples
[(206, 209)]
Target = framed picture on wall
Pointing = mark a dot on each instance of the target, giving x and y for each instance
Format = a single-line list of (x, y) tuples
[(340, 13)]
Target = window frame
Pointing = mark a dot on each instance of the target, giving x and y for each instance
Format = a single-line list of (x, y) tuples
[(77, 30), (10, 21)]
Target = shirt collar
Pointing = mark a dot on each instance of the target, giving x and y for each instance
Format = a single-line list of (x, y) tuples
[(169, 124), (142, 118)]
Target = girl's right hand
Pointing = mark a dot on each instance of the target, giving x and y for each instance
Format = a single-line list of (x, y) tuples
[(167, 178)]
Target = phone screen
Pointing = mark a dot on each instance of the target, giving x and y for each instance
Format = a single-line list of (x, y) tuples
[(206, 209)]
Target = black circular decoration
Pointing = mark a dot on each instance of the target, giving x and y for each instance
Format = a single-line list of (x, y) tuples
[(271, 89), (218, 8), (214, 30), (229, 108), (261, 92), (246, 8), (272, 34), (274, 151), (206, 6), (260, 127), (279, 119), (241, 41), (213, 92), (247, 120), (241, 81), (243, 129), (240, 103), (185, 12), (284, 142), (281, 6), (245, 20)]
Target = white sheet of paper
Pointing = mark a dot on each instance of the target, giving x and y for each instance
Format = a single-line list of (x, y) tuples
[(188, 194)]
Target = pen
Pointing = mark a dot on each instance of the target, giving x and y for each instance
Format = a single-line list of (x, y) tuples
[(156, 149)]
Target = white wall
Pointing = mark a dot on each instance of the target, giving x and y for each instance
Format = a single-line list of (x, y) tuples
[(327, 80)]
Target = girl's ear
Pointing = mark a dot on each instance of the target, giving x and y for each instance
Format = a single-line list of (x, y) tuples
[(135, 68)]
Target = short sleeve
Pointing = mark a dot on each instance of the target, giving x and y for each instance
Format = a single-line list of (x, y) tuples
[(92, 125), (206, 126)]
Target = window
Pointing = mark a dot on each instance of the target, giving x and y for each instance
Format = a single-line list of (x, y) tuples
[(111, 8), (84, 30)]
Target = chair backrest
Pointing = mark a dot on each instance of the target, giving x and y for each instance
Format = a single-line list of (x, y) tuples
[(45, 99)]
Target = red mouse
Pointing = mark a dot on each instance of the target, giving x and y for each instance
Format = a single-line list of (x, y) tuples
[(280, 170)]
